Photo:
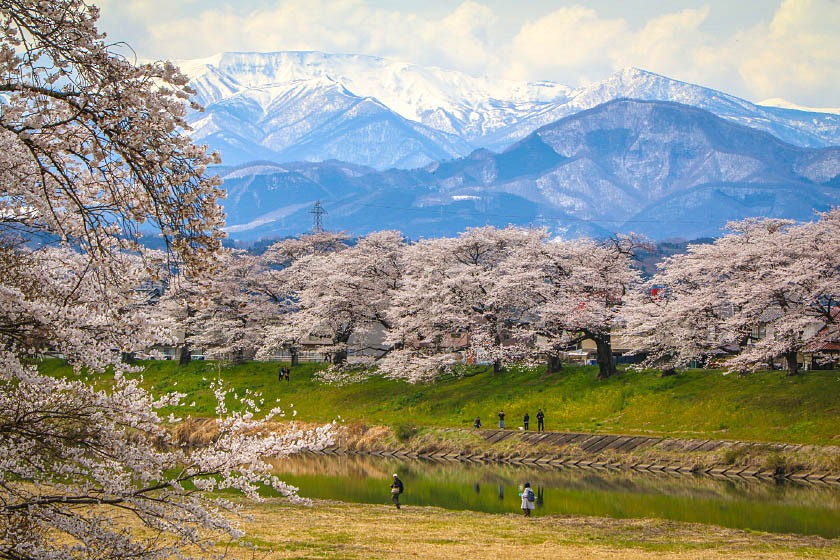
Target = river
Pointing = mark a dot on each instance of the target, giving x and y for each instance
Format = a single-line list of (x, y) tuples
[(776, 507)]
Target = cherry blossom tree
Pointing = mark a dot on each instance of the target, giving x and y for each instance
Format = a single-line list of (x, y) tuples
[(535, 274), (92, 146), (454, 304), (675, 318), (230, 309), (567, 291), (93, 150), (178, 307), (506, 295), (224, 312), (287, 272), (765, 291), (337, 294), (582, 290)]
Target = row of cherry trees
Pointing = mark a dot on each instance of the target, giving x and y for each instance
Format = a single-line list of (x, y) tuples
[(499, 295), (765, 291)]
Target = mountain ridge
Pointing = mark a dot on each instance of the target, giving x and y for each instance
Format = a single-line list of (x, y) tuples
[(660, 168), (439, 113)]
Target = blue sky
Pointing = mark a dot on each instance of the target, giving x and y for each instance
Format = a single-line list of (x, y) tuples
[(756, 49)]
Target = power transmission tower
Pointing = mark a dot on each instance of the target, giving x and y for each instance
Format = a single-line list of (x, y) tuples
[(317, 213)]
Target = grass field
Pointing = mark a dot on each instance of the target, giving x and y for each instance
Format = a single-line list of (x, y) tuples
[(766, 406), (367, 532)]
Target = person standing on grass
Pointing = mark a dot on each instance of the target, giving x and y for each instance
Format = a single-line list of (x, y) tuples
[(540, 421), (396, 489), (501, 419), (526, 420), (477, 423), (528, 499)]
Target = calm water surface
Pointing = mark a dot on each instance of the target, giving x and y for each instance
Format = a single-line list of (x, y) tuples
[(757, 505)]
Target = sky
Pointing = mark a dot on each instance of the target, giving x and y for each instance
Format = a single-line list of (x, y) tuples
[(755, 49)]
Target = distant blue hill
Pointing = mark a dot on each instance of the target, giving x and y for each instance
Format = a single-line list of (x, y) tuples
[(663, 169)]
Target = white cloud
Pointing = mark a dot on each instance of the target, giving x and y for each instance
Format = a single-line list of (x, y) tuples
[(789, 50), (462, 39), (795, 56), (668, 42), (466, 37), (566, 44)]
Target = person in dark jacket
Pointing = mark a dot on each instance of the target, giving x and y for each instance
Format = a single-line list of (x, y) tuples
[(540, 421), (526, 420), (396, 489)]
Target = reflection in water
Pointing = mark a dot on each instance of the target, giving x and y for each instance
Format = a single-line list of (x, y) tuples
[(758, 505)]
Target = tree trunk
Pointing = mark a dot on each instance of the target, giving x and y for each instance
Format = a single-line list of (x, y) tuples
[(186, 350), (342, 337), (606, 364), (127, 357), (553, 364), (792, 363), (295, 354), (669, 371), (339, 358), (497, 366), (186, 355)]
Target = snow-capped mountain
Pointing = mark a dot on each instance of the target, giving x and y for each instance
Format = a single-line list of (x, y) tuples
[(446, 100), (660, 168), (312, 106)]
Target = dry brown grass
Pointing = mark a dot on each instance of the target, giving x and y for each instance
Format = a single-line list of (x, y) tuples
[(350, 531), (195, 432)]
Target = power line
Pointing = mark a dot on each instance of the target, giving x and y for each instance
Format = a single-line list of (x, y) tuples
[(520, 217)]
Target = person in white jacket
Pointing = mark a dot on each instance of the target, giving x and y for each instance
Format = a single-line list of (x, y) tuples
[(528, 499)]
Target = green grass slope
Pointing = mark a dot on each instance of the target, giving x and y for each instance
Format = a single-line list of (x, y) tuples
[(764, 406)]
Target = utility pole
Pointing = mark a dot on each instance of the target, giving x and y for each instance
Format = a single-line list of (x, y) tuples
[(317, 213)]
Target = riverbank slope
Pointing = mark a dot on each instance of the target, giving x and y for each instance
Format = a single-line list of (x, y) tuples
[(795, 419), (695, 404)]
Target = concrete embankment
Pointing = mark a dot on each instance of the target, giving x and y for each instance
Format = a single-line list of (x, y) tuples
[(719, 458)]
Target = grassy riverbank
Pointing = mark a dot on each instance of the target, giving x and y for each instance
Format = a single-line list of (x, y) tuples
[(351, 531), (766, 406), (695, 404)]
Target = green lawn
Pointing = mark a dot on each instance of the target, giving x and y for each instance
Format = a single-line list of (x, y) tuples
[(764, 406)]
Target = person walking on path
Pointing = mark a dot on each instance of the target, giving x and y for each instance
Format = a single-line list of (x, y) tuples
[(528, 499), (501, 419), (396, 489), (525, 421), (477, 423), (540, 421)]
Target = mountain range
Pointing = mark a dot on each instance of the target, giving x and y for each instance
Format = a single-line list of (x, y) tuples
[(662, 169), (380, 113), (384, 144)]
